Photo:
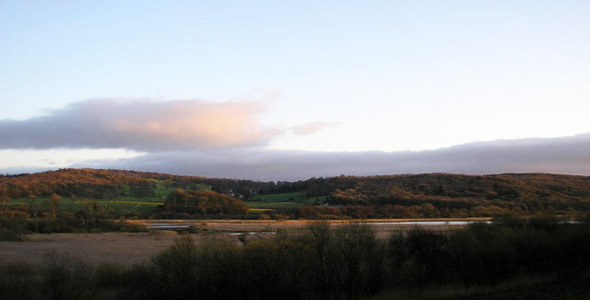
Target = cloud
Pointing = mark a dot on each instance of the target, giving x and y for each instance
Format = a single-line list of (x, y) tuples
[(310, 128), (567, 155), (225, 139), (141, 125)]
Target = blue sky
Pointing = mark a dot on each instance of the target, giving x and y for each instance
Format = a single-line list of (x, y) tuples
[(208, 87)]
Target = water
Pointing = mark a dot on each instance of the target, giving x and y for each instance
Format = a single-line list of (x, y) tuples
[(184, 226), (428, 223), (168, 226)]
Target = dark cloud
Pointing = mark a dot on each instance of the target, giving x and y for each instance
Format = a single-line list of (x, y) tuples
[(141, 125), (568, 155)]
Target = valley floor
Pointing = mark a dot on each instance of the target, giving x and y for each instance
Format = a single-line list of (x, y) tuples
[(130, 248)]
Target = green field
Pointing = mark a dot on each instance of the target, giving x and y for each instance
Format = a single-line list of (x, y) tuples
[(126, 205), (130, 205), (298, 197), (283, 200), (139, 206), (273, 205), (284, 197), (120, 204)]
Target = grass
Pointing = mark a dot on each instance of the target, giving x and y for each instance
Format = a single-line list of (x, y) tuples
[(258, 210), (134, 205), (273, 205), (277, 201), (283, 197), (123, 203), (113, 247), (295, 197), (129, 248)]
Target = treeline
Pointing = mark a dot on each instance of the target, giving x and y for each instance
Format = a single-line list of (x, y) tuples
[(551, 257), (105, 184), (513, 192), (48, 217), (446, 195), (200, 204), (82, 183), (425, 195)]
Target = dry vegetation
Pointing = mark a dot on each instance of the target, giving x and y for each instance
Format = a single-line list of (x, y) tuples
[(509, 258), (129, 248), (121, 248)]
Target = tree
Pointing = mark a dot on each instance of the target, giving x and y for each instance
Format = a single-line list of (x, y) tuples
[(67, 277), (203, 203)]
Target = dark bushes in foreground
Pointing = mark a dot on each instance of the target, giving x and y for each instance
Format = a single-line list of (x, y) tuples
[(342, 262), (350, 262)]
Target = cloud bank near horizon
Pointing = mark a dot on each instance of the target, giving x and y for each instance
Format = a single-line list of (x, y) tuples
[(566, 155), (141, 125), (227, 139)]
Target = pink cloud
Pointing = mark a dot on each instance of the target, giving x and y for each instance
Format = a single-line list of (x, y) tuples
[(310, 128), (142, 125)]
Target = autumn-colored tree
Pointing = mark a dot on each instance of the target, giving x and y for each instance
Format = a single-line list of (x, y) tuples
[(203, 203)]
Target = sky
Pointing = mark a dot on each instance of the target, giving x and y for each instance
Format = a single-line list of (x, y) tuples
[(288, 90)]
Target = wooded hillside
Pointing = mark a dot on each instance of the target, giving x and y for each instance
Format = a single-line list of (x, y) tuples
[(424, 195)]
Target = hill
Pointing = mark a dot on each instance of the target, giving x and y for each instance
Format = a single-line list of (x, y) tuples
[(424, 195)]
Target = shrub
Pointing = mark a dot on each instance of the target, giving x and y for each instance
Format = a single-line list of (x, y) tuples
[(176, 270), (13, 225), (67, 277), (219, 263), (361, 256), (420, 257), (19, 280), (110, 275)]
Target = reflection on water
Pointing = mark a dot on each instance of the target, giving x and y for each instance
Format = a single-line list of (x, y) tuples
[(430, 223), (184, 226), (252, 233), (168, 226)]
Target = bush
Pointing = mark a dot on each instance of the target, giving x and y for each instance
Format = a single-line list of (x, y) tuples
[(421, 257), (110, 275), (176, 271), (350, 262), (357, 258), (67, 277), (219, 263), (19, 281), (13, 225)]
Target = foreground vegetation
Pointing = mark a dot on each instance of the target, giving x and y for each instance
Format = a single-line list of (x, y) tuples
[(510, 258)]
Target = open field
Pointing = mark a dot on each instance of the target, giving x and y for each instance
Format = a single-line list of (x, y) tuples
[(281, 197), (120, 248), (121, 205), (129, 248), (128, 205), (273, 205), (296, 197)]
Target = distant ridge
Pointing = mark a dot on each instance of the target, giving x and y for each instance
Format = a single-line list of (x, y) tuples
[(457, 185), (435, 194)]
